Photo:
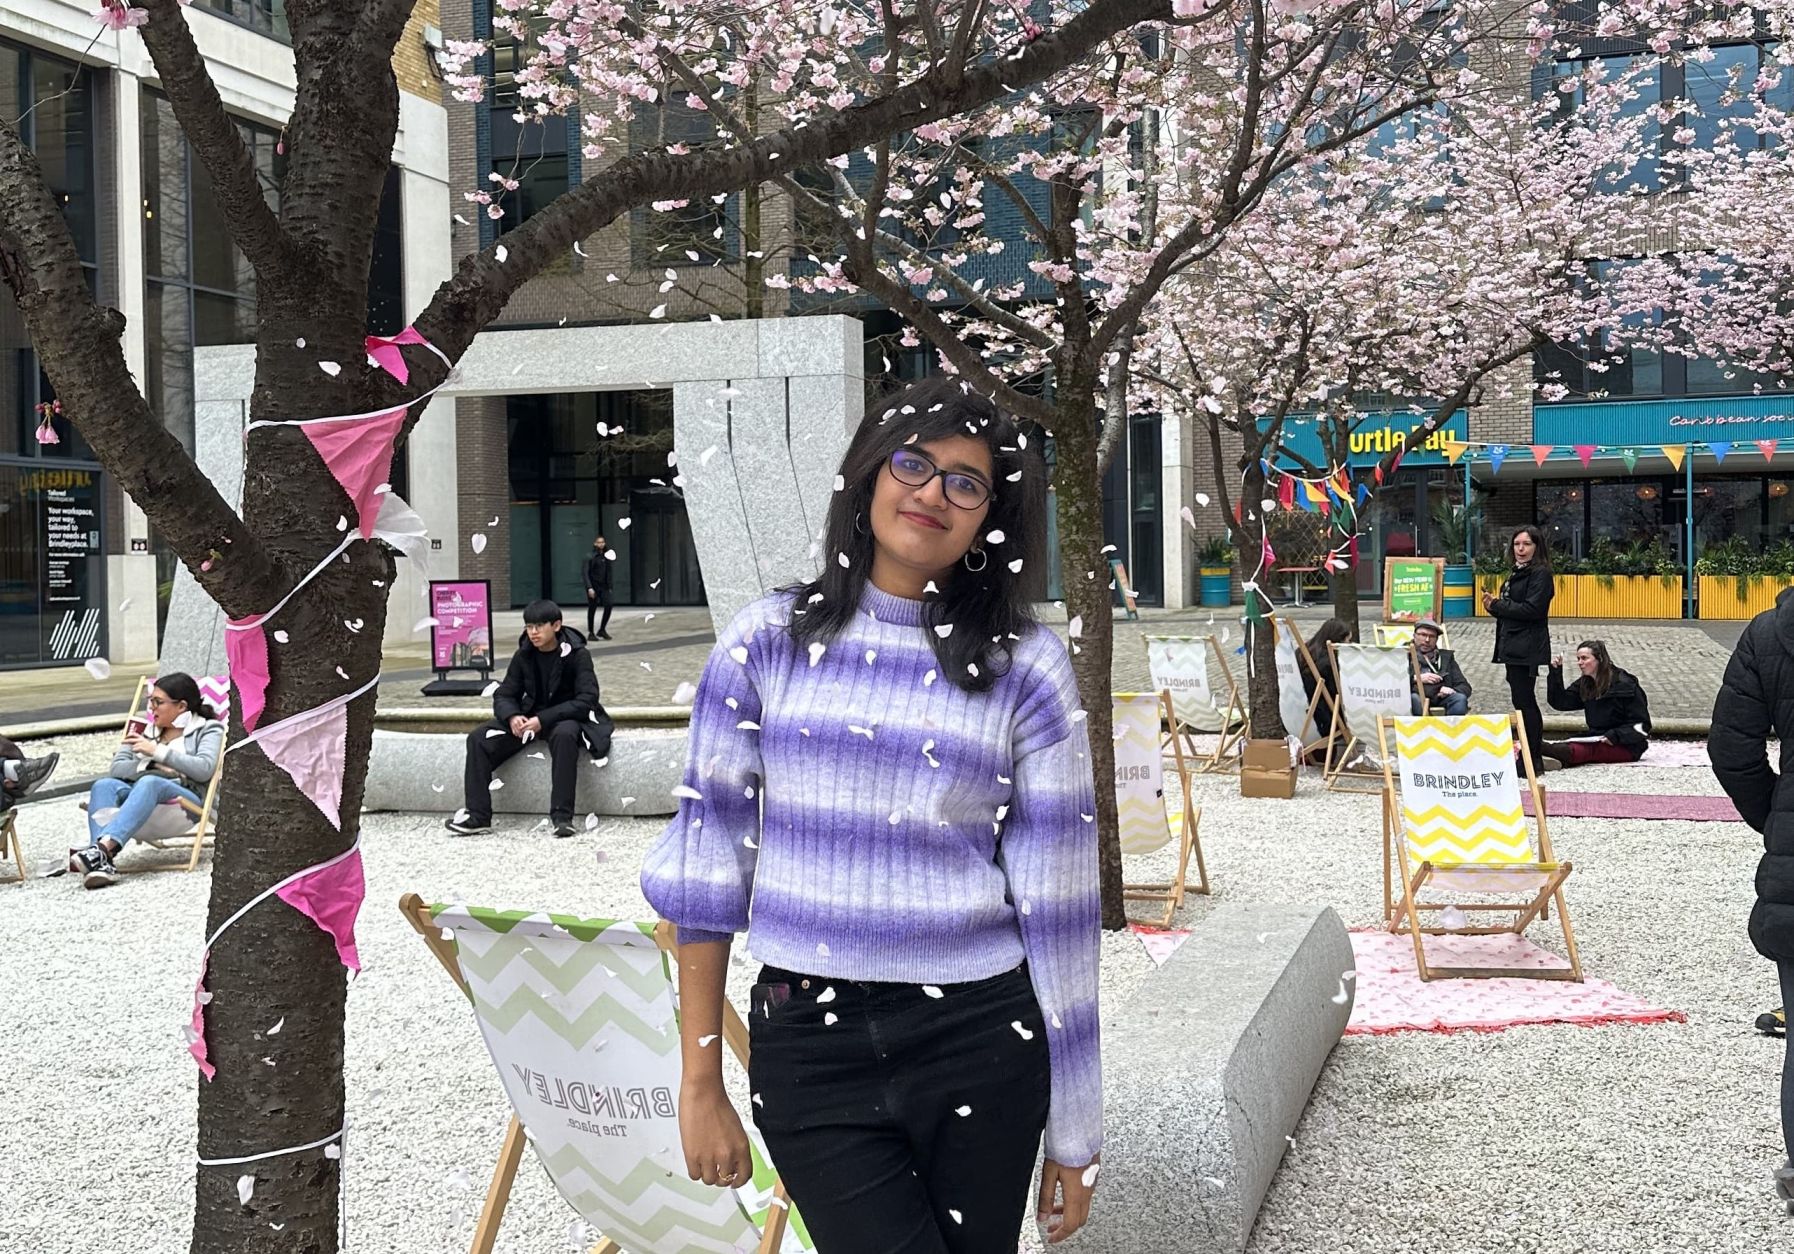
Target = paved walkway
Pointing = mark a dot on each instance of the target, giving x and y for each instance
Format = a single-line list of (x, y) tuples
[(654, 651)]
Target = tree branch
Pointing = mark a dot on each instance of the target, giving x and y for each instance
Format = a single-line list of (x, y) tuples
[(215, 139), (482, 284), (80, 346)]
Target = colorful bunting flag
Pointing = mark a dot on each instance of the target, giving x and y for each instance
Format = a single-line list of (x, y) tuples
[(1497, 455), (1542, 451), (383, 351), (1767, 449), (1583, 453), (331, 896), (247, 648), (1630, 457), (1453, 449), (310, 748), (1720, 449), (1675, 453), (358, 452)]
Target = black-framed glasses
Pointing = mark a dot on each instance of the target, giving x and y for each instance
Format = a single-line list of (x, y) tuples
[(914, 469)]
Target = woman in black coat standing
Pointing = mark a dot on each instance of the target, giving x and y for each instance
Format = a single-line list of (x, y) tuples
[(1756, 701), (1522, 615)]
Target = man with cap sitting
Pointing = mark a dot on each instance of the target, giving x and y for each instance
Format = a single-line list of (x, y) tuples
[(1441, 679)]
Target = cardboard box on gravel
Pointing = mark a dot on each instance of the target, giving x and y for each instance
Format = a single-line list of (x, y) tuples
[(1266, 770)]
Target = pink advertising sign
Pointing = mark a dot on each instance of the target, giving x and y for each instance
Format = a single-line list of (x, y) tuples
[(462, 636)]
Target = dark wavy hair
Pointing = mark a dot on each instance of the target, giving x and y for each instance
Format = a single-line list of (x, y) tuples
[(987, 607), (180, 687), (1541, 553), (1596, 685)]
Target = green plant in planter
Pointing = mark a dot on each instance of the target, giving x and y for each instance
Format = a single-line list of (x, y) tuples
[(1453, 527), (1215, 552), (1732, 557)]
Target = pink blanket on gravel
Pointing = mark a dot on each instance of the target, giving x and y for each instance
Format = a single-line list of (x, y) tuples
[(1391, 996)]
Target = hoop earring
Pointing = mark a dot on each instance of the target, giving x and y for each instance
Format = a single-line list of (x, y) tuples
[(983, 560), (859, 524)]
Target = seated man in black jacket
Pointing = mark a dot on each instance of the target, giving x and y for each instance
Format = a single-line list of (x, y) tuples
[(1441, 678), (549, 695), (1613, 701)]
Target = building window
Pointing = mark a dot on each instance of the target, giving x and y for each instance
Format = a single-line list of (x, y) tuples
[(386, 272), (267, 16), (701, 231), (1647, 94), (54, 102)]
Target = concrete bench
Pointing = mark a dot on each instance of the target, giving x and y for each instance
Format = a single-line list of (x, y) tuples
[(645, 765), (1200, 1096)]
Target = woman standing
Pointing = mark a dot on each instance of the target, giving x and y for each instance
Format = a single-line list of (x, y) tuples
[(1612, 700), (891, 764), (1522, 615), (171, 760)]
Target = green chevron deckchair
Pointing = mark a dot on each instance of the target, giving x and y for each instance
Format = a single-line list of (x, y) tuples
[(580, 1018)]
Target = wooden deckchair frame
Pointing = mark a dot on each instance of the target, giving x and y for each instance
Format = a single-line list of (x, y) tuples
[(1338, 777), (510, 1154), (1188, 835), (1321, 697), (1234, 721), (1403, 915), (9, 830)]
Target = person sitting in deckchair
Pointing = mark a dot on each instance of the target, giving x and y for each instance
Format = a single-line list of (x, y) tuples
[(169, 760), (1333, 631), (1619, 717), (1441, 678), (21, 776)]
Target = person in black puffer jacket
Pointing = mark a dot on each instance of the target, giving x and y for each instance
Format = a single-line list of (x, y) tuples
[(1522, 615), (1611, 699), (1756, 700)]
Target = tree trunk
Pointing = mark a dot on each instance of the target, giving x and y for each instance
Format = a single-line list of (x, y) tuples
[(1345, 599), (1083, 569), (1262, 696)]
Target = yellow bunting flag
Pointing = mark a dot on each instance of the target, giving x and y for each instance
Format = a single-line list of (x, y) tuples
[(1675, 453), (1453, 449)]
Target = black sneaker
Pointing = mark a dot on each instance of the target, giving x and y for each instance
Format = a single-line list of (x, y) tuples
[(563, 828), (1774, 1023), (101, 874), (604, 635), (80, 862), (35, 772), (467, 827)]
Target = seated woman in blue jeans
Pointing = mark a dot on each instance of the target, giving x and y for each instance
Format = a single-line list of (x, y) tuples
[(171, 760)]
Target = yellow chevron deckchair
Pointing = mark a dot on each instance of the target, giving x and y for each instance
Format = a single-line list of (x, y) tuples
[(1147, 825), (580, 1019), (1374, 681), (1456, 825), (1179, 666)]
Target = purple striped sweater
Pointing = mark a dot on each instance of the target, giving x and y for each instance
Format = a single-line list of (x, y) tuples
[(863, 818)]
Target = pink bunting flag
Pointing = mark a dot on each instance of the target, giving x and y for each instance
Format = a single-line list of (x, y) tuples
[(331, 897), (247, 648), (310, 748), (1584, 452), (196, 1033), (383, 351), (1540, 452), (359, 454), (1767, 449)]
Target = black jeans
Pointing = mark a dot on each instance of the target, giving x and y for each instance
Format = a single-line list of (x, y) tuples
[(486, 751), (1523, 686), (901, 1122), (592, 605)]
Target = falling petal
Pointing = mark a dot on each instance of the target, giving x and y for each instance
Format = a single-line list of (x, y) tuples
[(245, 1189), (1202, 499), (330, 368), (957, 1217), (995, 537), (1021, 1031), (943, 630), (1015, 567), (423, 623), (830, 1019), (478, 542), (279, 1024), (99, 668), (933, 991), (817, 649), (962, 1111)]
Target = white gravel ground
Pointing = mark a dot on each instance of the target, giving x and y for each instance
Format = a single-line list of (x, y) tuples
[(1536, 1139)]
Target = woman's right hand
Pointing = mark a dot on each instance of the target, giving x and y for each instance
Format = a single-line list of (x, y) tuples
[(1557, 663), (716, 1145)]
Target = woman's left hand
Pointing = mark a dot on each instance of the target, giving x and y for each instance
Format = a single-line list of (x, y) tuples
[(1064, 1214)]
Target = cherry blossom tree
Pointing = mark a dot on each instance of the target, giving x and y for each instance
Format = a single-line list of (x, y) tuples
[(831, 79), (1030, 253), (1417, 269)]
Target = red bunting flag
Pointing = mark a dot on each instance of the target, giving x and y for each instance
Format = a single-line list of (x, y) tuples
[(1540, 452), (1767, 449), (1584, 452)]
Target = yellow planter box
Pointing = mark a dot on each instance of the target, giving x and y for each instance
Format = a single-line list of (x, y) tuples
[(1598, 596), (1720, 599), (1564, 601)]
